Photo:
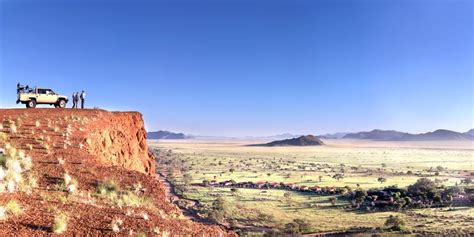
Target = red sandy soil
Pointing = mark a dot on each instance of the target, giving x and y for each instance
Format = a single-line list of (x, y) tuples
[(113, 147)]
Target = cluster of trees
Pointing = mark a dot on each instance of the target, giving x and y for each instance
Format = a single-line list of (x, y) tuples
[(423, 193)]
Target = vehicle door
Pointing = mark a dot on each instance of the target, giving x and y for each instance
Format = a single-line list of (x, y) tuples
[(53, 96), (43, 96)]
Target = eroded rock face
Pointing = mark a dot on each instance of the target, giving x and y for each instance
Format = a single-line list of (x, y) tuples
[(120, 139)]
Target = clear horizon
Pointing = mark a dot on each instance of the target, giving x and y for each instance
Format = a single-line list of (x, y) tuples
[(243, 68)]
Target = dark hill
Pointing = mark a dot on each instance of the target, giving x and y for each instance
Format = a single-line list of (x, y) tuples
[(308, 140), (165, 135), (376, 134)]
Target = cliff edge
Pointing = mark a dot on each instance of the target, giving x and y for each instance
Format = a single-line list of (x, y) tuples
[(86, 172)]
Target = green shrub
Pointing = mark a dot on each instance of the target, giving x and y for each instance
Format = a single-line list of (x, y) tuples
[(60, 223), (3, 160), (395, 223), (13, 207), (68, 184), (111, 191), (107, 186)]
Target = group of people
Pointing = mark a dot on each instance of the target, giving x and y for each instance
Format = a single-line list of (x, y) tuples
[(23, 89), (75, 99)]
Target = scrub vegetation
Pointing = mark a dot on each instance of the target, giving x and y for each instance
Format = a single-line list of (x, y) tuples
[(430, 185)]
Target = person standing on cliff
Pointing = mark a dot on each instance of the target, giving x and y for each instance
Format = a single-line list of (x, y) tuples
[(83, 99), (74, 100), (77, 99)]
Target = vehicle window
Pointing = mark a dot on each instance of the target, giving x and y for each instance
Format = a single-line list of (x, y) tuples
[(41, 91)]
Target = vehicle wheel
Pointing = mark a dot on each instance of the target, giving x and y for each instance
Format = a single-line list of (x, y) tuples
[(31, 104), (62, 104), (56, 106)]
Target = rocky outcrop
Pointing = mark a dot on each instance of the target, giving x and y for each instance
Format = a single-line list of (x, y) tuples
[(112, 138), (120, 139)]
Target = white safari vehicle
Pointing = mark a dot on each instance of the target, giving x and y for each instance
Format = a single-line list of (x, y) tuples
[(34, 96)]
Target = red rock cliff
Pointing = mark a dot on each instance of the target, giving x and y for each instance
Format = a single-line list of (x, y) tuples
[(119, 138), (113, 138)]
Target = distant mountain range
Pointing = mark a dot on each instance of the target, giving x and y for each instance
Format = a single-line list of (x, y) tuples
[(172, 135), (333, 135), (391, 135), (275, 137), (376, 134), (166, 135), (308, 140)]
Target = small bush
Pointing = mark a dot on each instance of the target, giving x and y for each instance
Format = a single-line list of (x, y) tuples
[(109, 190), (107, 186), (75, 117), (29, 182), (3, 160), (13, 207), (395, 223), (13, 165), (60, 223), (26, 163), (3, 213), (61, 161), (13, 128), (3, 136), (298, 226), (68, 184), (115, 225)]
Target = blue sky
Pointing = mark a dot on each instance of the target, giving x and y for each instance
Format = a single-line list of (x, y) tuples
[(251, 67)]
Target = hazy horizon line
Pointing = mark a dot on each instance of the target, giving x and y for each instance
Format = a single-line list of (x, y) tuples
[(301, 134)]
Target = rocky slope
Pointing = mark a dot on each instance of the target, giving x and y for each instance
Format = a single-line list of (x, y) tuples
[(90, 170)]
